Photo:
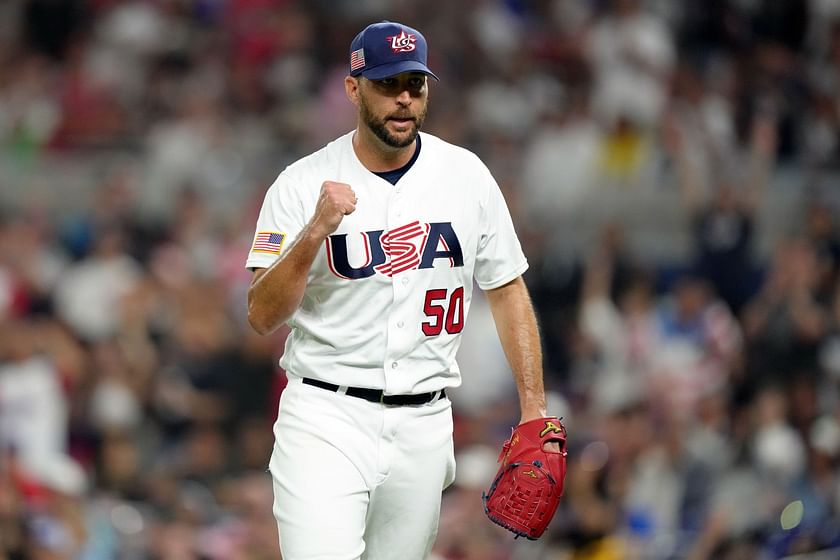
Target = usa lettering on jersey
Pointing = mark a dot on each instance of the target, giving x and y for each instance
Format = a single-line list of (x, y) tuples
[(408, 247)]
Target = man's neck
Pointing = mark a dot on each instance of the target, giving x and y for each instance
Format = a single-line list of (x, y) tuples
[(377, 156)]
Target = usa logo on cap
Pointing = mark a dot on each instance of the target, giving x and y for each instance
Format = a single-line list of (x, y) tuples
[(404, 42)]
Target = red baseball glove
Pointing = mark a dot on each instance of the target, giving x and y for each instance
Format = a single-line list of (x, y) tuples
[(526, 491)]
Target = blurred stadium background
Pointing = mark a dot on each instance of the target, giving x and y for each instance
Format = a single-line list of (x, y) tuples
[(672, 167)]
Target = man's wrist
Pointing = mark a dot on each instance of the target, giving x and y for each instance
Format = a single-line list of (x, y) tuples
[(532, 413)]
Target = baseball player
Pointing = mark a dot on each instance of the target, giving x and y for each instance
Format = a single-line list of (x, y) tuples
[(368, 249)]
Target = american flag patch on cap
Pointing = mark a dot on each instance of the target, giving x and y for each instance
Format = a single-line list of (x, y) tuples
[(357, 59), (268, 242)]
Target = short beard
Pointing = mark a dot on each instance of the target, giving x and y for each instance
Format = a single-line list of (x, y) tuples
[(377, 126)]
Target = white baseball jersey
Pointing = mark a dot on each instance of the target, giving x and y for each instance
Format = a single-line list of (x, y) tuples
[(388, 294)]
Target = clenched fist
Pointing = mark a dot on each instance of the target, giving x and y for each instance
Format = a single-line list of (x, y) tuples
[(335, 201)]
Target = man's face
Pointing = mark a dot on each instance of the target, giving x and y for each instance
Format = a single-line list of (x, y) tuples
[(394, 108)]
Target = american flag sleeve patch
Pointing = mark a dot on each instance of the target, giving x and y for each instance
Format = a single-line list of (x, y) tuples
[(268, 242)]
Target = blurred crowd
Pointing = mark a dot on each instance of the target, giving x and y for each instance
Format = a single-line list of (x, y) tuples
[(700, 384)]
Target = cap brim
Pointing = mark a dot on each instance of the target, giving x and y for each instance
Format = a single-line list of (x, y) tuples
[(390, 70)]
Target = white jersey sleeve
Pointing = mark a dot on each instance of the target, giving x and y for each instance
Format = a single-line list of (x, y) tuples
[(280, 222), (499, 258)]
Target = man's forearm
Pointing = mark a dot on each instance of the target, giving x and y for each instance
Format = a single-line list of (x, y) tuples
[(516, 324)]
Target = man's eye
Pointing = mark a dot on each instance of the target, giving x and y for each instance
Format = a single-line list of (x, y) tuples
[(387, 82), (416, 83)]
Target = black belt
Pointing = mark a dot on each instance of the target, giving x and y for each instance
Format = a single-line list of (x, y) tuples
[(377, 396)]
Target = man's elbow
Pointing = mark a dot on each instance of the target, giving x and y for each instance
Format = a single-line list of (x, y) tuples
[(260, 324), (266, 314), (262, 321)]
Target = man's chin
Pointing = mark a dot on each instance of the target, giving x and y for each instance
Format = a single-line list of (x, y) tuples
[(401, 139)]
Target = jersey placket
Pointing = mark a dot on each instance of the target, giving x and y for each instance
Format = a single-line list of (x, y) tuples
[(401, 286)]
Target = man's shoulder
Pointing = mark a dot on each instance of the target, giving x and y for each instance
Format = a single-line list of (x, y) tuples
[(460, 161), (442, 147), (315, 162)]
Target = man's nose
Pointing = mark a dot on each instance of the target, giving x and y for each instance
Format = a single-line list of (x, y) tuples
[(404, 98)]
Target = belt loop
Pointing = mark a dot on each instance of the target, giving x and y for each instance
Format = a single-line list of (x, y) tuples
[(342, 390), (382, 397)]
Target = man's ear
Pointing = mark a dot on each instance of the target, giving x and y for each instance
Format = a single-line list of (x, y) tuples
[(351, 88)]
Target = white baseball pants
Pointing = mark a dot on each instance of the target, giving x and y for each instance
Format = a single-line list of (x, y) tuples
[(358, 480)]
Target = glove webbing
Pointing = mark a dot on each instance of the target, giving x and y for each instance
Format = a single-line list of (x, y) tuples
[(485, 496)]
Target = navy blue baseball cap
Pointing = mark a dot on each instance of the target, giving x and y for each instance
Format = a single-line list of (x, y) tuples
[(387, 48)]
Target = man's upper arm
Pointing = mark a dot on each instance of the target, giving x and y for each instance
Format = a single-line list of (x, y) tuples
[(499, 258), (258, 272), (280, 220), (499, 293)]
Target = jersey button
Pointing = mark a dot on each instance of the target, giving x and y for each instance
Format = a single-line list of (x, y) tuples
[(400, 324), (394, 365), (405, 280)]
